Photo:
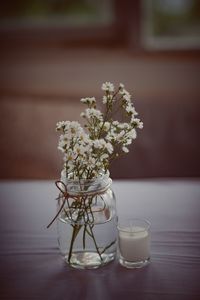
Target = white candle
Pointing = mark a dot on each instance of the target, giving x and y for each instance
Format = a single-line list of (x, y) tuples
[(134, 243)]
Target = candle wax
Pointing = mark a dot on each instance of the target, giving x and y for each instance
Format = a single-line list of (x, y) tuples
[(134, 244)]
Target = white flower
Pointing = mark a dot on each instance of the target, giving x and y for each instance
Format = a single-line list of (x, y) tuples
[(140, 125), (121, 86), (105, 99), (115, 123), (80, 149), (104, 156), (128, 142), (83, 100), (137, 123), (63, 142), (73, 129), (99, 164), (109, 137), (99, 144), (88, 149), (61, 147), (106, 126), (130, 109), (123, 125), (93, 113), (91, 162), (88, 100), (61, 125), (126, 96), (75, 126), (109, 147), (108, 86), (125, 149), (132, 134), (69, 156), (120, 135)]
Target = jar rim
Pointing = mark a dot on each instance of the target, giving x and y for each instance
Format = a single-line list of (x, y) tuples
[(87, 186)]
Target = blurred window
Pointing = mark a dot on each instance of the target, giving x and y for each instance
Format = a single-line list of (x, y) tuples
[(37, 13), (140, 24), (171, 24)]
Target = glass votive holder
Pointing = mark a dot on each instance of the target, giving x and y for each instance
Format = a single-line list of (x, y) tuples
[(134, 242)]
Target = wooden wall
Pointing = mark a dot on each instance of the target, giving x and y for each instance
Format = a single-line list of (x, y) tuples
[(39, 87)]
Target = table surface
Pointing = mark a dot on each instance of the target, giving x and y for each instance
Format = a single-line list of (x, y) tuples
[(32, 268)]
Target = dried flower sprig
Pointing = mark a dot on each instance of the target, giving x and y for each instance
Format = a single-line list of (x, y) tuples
[(90, 150)]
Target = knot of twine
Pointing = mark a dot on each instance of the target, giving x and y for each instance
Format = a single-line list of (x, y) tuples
[(64, 196)]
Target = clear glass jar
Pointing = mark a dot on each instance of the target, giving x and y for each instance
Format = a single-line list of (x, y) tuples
[(87, 222)]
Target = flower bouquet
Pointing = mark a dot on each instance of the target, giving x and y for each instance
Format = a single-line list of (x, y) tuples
[(86, 215)]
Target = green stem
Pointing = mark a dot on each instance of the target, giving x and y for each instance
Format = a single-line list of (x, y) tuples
[(89, 223), (107, 247), (76, 229), (92, 236), (84, 235)]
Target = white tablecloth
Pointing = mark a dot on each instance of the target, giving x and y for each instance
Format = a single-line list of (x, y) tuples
[(32, 268)]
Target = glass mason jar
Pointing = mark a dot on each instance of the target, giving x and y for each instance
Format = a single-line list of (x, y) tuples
[(87, 222)]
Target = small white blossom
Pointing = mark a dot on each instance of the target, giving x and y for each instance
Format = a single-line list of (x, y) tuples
[(88, 100), (69, 156), (84, 100), (106, 126), (109, 137), (79, 149), (99, 144), (104, 156), (61, 125), (126, 96), (108, 86), (128, 142), (123, 125), (91, 162), (105, 99), (130, 108), (137, 123), (63, 141), (132, 134), (109, 147), (125, 149), (61, 146), (120, 135), (115, 123), (93, 113)]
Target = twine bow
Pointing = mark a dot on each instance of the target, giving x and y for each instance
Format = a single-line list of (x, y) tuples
[(65, 196)]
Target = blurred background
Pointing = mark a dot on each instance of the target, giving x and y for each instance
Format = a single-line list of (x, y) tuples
[(55, 52)]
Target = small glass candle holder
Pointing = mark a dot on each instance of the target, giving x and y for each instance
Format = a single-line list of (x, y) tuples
[(134, 243)]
